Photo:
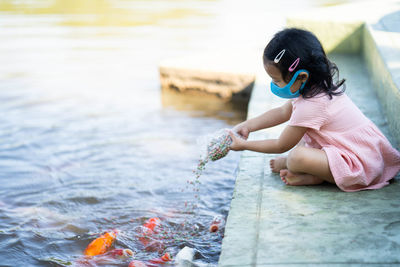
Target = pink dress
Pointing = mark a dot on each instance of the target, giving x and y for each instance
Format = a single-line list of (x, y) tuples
[(360, 156)]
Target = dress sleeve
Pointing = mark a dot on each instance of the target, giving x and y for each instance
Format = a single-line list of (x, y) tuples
[(310, 113)]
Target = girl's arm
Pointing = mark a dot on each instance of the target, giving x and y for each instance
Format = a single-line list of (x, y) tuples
[(268, 119), (290, 137)]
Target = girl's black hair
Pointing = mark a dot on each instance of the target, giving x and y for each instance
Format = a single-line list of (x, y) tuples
[(304, 45)]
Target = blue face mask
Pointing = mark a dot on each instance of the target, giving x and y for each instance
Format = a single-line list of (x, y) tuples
[(285, 92)]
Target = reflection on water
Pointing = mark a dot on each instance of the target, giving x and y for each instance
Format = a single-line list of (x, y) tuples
[(107, 12), (205, 106), (89, 143)]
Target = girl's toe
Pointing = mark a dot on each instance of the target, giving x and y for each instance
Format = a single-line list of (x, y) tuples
[(283, 179), (283, 174)]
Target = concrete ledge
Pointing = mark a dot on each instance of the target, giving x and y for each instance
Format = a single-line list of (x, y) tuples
[(381, 52), (335, 36), (271, 224), (202, 76)]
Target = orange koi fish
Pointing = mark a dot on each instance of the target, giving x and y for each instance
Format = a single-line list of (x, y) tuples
[(120, 253), (164, 259), (214, 228), (111, 257), (101, 244), (136, 263), (147, 229), (151, 224), (217, 222), (154, 262)]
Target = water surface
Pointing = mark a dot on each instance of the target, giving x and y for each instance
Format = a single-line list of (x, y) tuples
[(88, 141)]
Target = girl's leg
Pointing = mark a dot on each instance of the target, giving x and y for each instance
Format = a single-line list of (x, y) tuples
[(306, 166), (279, 163)]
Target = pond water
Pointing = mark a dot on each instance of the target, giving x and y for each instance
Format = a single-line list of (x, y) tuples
[(88, 141)]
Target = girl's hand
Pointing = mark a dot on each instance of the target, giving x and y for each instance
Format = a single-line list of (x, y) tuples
[(237, 142), (242, 130)]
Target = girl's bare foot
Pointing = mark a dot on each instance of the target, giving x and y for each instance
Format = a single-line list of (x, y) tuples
[(290, 178), (277, 164)]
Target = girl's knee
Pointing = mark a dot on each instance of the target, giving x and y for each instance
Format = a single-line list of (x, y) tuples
[(296, 158)]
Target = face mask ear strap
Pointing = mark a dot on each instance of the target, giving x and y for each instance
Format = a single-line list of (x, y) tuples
[(303, 83)]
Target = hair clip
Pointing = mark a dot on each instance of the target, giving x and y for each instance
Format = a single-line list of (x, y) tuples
[(294, 65), (279, 56)]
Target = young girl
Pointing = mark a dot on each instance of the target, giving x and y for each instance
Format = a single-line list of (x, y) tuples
[(331, 139)]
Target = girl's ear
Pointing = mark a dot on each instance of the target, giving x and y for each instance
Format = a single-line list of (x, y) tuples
[(303, 76)]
